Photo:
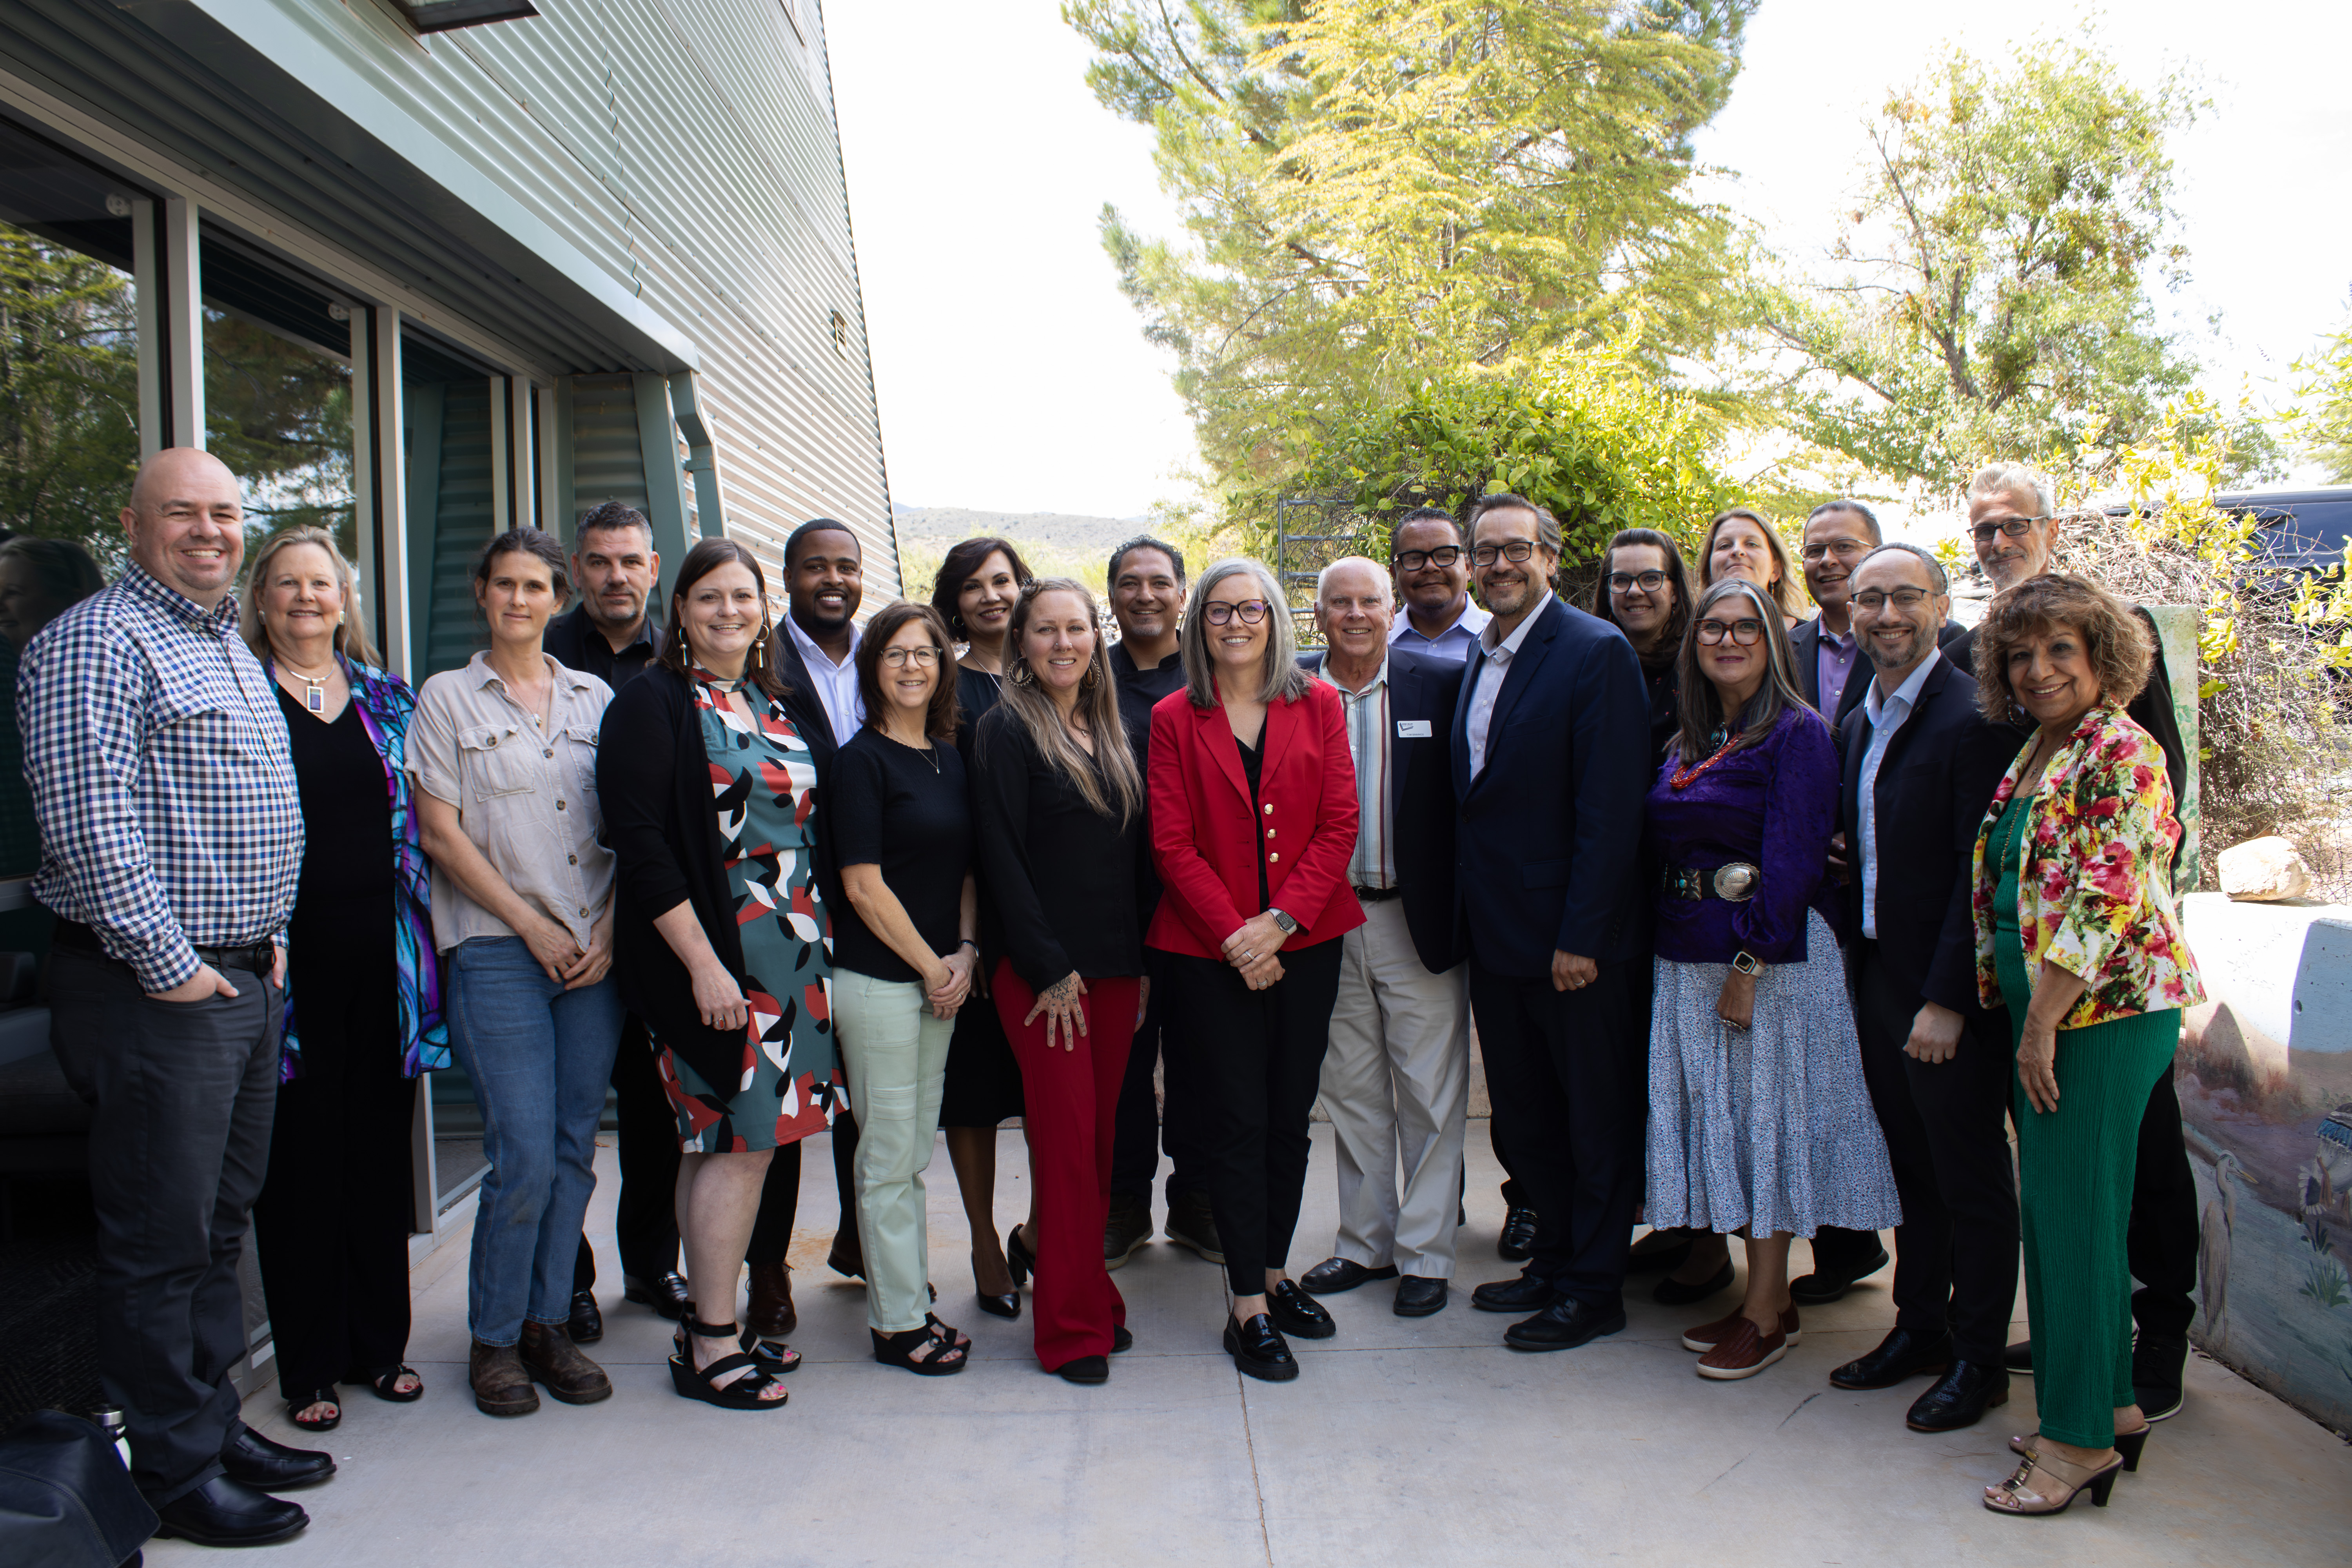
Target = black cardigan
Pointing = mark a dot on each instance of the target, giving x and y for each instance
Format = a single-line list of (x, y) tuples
[(1061, 881), (654, 775)]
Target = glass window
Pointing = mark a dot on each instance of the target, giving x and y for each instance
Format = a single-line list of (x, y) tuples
[(278, 392)]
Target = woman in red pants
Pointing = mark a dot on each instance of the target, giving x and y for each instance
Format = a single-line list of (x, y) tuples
[(1058, 807)]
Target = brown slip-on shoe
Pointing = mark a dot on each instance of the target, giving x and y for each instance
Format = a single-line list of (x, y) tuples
[(1706, 1336), (772, 1315), (501, 1386), (1743, 1353), (550, 1357)]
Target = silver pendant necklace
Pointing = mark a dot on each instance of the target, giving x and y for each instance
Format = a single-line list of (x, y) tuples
[(315, 697)]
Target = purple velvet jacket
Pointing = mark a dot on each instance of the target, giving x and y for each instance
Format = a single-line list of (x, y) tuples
[(1774, 805)]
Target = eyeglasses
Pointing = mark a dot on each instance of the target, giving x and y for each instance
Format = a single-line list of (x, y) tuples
[(1872, 600), (2015, 527), (1516, 552), (1218, 613), (1626, 582), (1747, 634), (1414, 560), (922, 658), (1843, 549)]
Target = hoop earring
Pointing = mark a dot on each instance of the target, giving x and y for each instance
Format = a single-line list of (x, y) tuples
[(1019, 676), (1087, 681)]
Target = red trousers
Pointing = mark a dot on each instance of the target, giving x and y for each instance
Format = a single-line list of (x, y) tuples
[(1071, 1102)]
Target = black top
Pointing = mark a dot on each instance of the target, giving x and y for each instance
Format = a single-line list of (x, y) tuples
[(907, 812), (578, 643), (1060, 880), (1254, 765), (1137, 690), (346, 820), (976, 694)]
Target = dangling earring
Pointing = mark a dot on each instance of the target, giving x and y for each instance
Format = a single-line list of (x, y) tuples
[(1020, 673), (1087, 681)]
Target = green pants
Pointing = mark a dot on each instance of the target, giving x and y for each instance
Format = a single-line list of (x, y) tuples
[(2075, 1168), (894, 1054)]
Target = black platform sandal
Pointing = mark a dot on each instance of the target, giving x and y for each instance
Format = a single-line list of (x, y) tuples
[(898, 1349), (294, 1409), (743, 1394), (777, 1357), (385, 1385), (955, 1337)]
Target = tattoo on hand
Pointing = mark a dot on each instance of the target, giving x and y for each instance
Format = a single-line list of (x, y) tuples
[(1061, 995)]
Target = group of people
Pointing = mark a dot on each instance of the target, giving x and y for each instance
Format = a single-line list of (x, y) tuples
[(1888, 881)]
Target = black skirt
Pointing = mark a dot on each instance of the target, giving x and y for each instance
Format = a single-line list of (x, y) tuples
[(984, 1082)]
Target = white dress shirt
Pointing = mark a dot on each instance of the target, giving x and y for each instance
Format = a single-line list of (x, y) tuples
[(836, 684), (1885, 718), (1456, 642), (1486, 674), (1373, 863)]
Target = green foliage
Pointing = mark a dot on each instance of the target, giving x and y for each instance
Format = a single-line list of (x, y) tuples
[(68, 391), (2323, 1281), (280, 415), (2326, 418)]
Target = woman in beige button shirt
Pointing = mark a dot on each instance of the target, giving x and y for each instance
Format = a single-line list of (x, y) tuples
[(504, 752)]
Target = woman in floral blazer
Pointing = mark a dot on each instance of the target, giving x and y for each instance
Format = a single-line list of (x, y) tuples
[(2076, 936)]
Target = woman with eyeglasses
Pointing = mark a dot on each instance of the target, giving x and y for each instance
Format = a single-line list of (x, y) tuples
[(1760, 1119), (1645, 593), (1253, 818), (1741, 544)]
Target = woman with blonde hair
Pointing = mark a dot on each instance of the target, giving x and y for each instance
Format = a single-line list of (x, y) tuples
[(1740, 542)]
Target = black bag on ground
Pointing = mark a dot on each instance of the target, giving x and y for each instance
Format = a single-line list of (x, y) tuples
[(65, 1502)]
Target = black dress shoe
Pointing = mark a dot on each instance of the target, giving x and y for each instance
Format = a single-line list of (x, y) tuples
[(225, 1513), (1672, 1292), (1819, 1290), (1258, 1350), (666, 1293), (1296, 1312), (251, 1459), (1563, 1326), (2019, 1358), (1517, 1241), (999, 1306), (1085, 1369), (1961, 1399), (2157, 1367), (1664, 1257), (1121, 1340), (1900, 1356), (587, 1323), (1525, 1293), (1418, 1296), (1334, 1275)]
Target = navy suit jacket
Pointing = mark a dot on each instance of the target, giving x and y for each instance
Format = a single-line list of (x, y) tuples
[(805, 708), (1551, 827), (1421, 692)]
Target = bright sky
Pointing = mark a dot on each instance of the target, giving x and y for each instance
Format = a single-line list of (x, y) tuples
[(1013, 373)]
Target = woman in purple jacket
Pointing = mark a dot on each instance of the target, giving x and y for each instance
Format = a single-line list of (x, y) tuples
[(1759, 1121)]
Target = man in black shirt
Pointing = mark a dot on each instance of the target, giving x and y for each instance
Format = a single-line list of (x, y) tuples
[(612, 632), (1147, 595)]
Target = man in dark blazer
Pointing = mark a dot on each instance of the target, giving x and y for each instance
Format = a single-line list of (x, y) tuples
[(1396, 1077), (1920, 763), (1550, 818), (1838, 534)]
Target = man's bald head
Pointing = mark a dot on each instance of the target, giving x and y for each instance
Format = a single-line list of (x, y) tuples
[(186, 523)]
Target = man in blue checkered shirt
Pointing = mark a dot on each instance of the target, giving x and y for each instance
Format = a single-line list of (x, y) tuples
[(170, 840)]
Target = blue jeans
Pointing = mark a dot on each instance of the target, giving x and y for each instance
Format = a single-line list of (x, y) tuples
[(540, 1057)]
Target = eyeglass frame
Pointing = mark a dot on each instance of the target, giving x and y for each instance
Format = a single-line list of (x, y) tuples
[(2012, 527), (1621, 582), (1517, 552), (1875, 599), (1233, 607), (924, 658), (1405, 561), (1842, 547), (1728, 629)]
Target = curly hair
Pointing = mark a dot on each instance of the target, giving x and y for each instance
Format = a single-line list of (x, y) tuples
[(2115, 641)]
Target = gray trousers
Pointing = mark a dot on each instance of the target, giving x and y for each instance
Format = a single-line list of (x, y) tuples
[(182, 1094)]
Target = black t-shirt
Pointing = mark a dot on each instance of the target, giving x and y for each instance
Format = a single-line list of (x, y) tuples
[(578, 643), (905, 810)]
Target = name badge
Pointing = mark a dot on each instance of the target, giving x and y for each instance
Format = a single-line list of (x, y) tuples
[(1412, 730)]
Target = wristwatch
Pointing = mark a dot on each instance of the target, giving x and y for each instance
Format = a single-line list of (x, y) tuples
[(1290, 927), (1745, 961)]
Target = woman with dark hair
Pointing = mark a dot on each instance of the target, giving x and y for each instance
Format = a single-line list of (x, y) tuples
[(2076, 935), (1760, 1119), (41, 579), (1059, 818), (1253, 818), (904, 954), (1646, 593), (332, 1224), (504, 754), (977, 587), (723, 938), (1741, 544)]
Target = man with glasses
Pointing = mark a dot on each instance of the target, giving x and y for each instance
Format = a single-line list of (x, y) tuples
[(1549, 797), (1432, 585), (1838, 534)]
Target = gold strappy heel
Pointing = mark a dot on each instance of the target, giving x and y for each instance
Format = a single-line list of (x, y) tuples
[(2127, 1443), (2047, 1484)]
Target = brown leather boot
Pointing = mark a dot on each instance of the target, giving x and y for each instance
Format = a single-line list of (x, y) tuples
[(771, 1316), (502, 1387), (550, 1357)]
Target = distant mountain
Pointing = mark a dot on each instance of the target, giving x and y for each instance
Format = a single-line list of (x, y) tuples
[(932, 529)]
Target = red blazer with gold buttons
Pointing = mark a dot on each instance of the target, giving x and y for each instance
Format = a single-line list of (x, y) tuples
[(1207, 835)]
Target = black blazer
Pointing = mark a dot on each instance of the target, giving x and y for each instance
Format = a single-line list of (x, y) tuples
[(1805, 643), (803, 705), (1550, 827), (1422, 690)]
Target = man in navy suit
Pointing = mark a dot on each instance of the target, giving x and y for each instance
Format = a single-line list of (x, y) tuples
[(1396, 1077), (1551, 816)]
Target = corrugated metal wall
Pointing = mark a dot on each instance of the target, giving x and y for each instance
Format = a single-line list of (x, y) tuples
[(462, 518)]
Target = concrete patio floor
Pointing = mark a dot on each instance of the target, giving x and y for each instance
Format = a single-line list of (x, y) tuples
[(1403, 1440)]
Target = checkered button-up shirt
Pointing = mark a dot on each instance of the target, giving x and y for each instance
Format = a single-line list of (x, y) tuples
[(160, 773)]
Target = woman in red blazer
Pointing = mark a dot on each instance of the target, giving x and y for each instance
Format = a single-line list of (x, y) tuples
[(1252, 809)]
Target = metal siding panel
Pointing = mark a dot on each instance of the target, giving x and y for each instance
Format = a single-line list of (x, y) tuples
[(462, 523)]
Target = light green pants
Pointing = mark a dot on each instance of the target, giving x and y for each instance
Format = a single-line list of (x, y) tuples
[(896, 1057)]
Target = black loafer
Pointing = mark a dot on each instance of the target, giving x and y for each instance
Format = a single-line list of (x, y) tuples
[(1525, 1293), (1418, 1296), (225, 1513), (1085, 1369), (2156, 1369), (1900, 1356), (1334, 1275), (1819, 1290), (1672, 1292), (1518, 1242), (1120, 1339), (2019, 1358), (1960, 1398), (253, 1460), (1258, 1350), (1296, 1312), (1563, 1326), (666, 1293), (587, 1322)]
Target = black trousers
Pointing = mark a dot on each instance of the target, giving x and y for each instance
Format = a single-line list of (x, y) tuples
[(780, 1200), (183, 1095), (644, 1223), (1946, 1127), (1141, 1128), (1570, 1083), (1247, 1071)]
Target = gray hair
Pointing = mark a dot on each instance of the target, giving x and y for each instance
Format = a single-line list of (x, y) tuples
[(1935, 574), (2011, 479), (1366, 562), (1284, 682)]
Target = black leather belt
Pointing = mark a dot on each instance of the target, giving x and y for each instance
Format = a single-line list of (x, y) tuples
[(1735, 883), (258, 959), (1378, 895)]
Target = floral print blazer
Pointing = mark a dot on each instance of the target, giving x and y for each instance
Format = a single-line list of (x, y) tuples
[(2094, 885)]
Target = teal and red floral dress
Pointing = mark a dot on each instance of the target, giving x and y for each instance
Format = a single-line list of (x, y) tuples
[(763, 789)]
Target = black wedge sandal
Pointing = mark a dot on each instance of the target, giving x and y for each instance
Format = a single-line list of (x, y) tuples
[(898, 1349), (743, 1394), (385, 1385), (776, 1356)]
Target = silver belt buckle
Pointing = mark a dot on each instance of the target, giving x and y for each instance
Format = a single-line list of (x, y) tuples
[(1736, 883)]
